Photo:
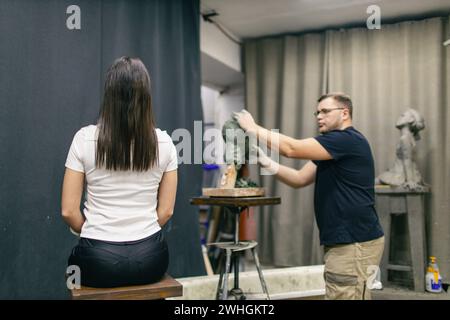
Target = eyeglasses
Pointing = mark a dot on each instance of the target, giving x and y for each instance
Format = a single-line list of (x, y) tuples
[(325, 111)]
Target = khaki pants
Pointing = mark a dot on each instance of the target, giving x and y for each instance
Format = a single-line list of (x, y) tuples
[(348, 267)]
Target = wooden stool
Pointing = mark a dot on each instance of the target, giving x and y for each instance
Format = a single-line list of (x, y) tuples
[(165, 288), (396, 201)]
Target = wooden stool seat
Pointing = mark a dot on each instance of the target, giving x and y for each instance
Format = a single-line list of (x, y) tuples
[(165, 288)]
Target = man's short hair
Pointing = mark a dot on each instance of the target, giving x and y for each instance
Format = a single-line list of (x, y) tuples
[(341, 98)]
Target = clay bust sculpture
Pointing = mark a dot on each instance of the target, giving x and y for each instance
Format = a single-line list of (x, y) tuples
[(404, 171), (240, 155)]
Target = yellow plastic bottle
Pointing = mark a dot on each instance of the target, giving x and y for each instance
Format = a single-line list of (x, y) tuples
[(433, 280)]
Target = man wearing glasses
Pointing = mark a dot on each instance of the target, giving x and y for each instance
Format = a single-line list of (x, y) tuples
[(342, 167)]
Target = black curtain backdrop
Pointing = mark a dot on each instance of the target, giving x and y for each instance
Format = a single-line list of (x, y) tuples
[(51, 83)]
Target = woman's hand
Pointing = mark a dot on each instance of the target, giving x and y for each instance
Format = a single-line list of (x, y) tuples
[(245, 120)]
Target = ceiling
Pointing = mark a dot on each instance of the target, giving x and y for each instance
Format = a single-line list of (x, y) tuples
[(256, 18)]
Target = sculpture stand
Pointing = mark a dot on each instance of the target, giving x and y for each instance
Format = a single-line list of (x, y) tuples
[(236, 205), (227, 188), (399, 201)]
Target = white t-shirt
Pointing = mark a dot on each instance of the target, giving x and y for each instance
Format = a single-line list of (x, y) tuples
[(120, 205)]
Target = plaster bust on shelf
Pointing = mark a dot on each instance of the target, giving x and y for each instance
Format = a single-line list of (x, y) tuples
[(404, 172)]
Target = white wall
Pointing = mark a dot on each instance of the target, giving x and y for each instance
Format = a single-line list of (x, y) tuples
[(217, 109), (215, 44), (227, 103), (222, 79)]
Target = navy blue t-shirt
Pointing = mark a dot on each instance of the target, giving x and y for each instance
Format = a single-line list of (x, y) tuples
[(344, 190)]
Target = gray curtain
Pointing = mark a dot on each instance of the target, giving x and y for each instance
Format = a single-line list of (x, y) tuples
[(403, 65), (284, 77), (51, 83)]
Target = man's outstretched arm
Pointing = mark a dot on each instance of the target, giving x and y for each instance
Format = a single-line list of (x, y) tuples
[(289, 147)]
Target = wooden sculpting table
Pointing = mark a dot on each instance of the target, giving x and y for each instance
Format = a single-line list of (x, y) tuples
[(236, 205)]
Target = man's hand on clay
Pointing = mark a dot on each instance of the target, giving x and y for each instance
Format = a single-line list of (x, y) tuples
[(262, 157), (264, 160), (246, 121)]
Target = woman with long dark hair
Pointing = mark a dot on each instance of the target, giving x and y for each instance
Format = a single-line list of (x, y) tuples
[(130, 170)]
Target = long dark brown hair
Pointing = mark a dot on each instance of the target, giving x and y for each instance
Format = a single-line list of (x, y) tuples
[(127, 138)]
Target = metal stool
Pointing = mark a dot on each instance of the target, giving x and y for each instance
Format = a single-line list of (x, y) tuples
[(230, 248), (236, 205)]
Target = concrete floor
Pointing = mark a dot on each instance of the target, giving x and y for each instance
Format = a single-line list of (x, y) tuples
[(387, 293), (397, 293)]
